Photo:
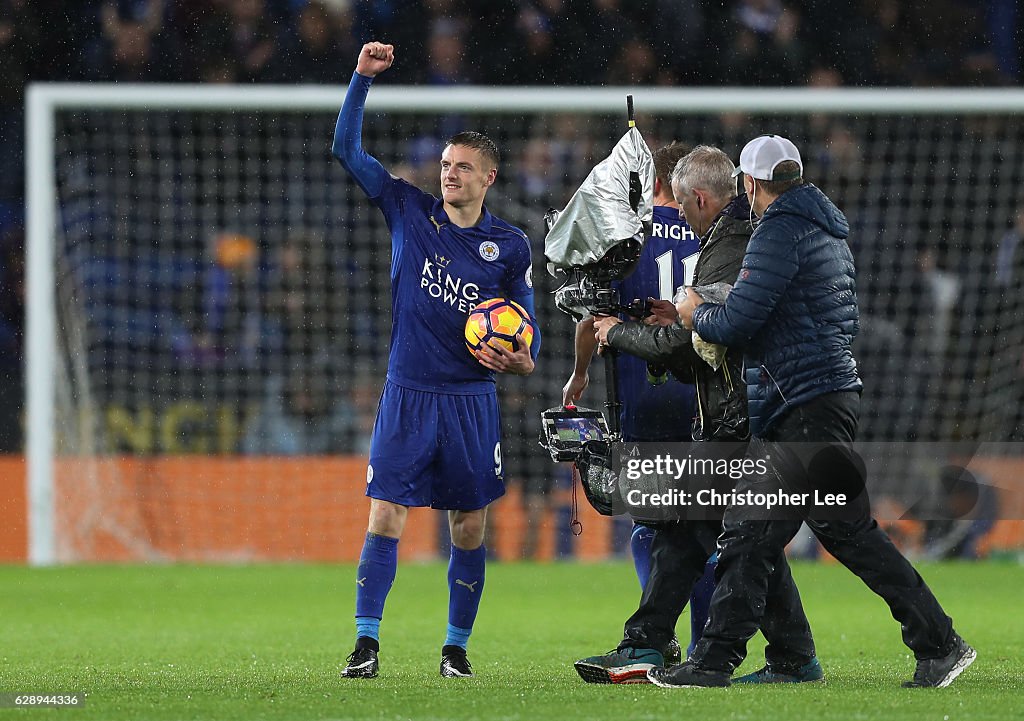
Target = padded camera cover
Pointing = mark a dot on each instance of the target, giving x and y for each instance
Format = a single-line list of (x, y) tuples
[(602, 213)]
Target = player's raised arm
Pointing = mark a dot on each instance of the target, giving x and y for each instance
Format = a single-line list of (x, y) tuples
[(374, 58)]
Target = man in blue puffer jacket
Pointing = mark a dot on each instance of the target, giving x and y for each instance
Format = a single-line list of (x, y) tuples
[(793, 309)]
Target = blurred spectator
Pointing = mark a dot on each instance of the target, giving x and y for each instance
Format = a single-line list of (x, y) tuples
[(224, 318), (12, 314), (305, 410), (605, 23), (493, 45), (20, 36), (1008, 365), (886, 34), (824, 76), (951, 44), (677, 28), (302, 414), (252, 39), (929, 298), (305, 304), (364, 388), (840, 158), (1004, 30), (133, 45), (633, 64), (233, 40), (573, 154), (320, 50), (538, 63), (446, 54), (765, 48), (535, 175), (1010, 258)]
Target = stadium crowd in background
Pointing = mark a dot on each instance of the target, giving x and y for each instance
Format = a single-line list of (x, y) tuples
[(865, 43), (675, 43)]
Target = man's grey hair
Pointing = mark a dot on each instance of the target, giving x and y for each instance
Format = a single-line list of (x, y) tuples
[(706, 168)]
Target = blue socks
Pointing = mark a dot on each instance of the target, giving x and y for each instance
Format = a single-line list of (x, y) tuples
[(376, 573), (374, 577), (640, 546), (700, 602), (465, 585)]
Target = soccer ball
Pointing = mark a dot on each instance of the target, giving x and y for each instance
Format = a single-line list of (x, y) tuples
[(496, 322)]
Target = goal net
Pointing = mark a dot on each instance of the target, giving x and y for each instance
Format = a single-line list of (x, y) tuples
[(209, 308)]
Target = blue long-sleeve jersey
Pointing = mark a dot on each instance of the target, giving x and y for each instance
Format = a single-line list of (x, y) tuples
[(439, 271)]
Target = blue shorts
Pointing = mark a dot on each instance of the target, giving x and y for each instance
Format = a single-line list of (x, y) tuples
[(436, 449)]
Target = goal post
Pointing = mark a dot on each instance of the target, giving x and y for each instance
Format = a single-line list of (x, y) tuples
[(165, 364)]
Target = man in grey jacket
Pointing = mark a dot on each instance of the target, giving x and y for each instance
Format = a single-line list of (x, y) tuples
[(793, 310)]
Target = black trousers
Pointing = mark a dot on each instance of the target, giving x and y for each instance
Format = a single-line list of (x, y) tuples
[(748, 552), (679, 553)]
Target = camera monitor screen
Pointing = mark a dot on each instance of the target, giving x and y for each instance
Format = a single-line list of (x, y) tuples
[(580, 430)]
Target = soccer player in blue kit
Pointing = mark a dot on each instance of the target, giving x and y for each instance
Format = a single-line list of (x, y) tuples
[(436, 440), (653, 409)]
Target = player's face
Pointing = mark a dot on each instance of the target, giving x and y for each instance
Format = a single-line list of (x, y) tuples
[(465, 176)]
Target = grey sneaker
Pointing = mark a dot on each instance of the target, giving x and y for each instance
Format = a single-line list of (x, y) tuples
[(940, 672), (623, 665)]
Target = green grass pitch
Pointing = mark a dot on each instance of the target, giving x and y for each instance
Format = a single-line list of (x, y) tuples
[(267, 642)]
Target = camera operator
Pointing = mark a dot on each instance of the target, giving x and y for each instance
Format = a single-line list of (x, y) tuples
[(654, 408), (703, 185)]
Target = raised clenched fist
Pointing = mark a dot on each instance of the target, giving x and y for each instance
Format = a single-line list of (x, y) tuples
[(374, 59)]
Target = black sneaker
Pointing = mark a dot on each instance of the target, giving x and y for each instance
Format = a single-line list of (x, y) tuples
[(940, 672), (686, 675), (454, 663), (674, 652), (362, 663)]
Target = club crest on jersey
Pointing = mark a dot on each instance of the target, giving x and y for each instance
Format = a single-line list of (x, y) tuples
[(489, 250), (529, 276)]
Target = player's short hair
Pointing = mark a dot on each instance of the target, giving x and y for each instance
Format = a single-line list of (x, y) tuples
[(707, 168), (665, 159), (778, 187), (477, 141)]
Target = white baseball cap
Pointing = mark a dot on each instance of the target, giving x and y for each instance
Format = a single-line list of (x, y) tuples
[(760, 156)]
